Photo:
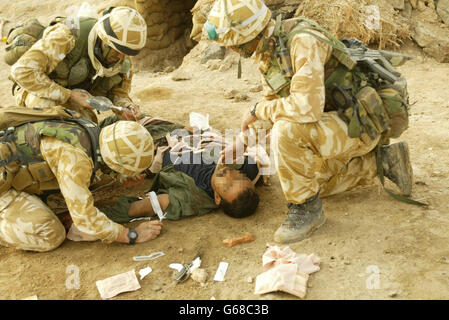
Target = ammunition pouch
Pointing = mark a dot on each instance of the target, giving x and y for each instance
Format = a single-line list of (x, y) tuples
[(7, 171), (35, 177)]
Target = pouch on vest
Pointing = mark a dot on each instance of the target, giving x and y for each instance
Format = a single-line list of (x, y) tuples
[(275, 79), (373, 105), (23, 179), (360, 120), (42, 173), (7, 172), (397, 111), (79, 72), (20, 38)]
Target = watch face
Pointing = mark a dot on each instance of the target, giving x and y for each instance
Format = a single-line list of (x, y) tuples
[(132, 235)]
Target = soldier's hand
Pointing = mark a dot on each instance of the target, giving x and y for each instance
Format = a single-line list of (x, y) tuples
[(148, 230), (247, 119), (132, 113), (134, 181), (78, 98)]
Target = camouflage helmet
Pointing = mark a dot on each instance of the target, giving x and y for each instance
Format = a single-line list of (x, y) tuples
[(126, 147), (235, 22), (123, 29)]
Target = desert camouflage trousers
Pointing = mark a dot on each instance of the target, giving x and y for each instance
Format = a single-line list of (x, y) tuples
[(27, 223), (319, 157)]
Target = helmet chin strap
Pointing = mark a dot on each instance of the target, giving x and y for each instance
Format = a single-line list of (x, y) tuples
[(102, 53), (103, 69)]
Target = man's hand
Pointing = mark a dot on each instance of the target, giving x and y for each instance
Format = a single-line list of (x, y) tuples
[(248, 118), (148, 230), (134, 181), (78, 98)]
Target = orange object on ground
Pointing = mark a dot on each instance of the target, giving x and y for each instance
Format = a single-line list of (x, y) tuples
[(243, 239)]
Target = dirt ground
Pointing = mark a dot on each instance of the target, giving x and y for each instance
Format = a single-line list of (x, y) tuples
[(366, 230)]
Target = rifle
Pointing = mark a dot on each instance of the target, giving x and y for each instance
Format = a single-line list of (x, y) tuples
[(380, 62)]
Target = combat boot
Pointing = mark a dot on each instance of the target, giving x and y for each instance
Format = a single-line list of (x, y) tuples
[(302, 220), (397, 167)]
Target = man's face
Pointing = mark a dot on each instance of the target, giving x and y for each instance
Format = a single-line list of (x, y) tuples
[(111, 55), (246, 50), (228, 183)]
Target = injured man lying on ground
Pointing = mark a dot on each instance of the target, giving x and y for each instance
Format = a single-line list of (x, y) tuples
[(190, 178)]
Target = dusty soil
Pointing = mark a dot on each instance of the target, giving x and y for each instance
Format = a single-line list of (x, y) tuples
[(364, 228)]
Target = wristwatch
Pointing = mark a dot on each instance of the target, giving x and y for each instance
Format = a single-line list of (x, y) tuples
[(253, 109), (132, 236)]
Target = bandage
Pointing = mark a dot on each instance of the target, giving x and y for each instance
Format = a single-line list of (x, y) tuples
[(156, 206)]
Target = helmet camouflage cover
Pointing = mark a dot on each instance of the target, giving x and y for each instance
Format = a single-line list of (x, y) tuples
[(237, 21), (124, 29), (126, 147)]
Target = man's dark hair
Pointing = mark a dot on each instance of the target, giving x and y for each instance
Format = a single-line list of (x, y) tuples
[(244, 206)]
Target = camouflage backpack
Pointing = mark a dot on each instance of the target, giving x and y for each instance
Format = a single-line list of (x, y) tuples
[(361, 84), (21, 163), (20, 38)]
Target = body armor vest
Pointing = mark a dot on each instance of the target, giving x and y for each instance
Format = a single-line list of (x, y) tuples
[(28, 169)]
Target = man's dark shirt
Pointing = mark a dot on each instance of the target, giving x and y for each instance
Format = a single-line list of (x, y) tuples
[(202, 171)]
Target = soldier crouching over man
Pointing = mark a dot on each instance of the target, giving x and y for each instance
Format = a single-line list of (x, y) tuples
[(79, 53), (64, 155)]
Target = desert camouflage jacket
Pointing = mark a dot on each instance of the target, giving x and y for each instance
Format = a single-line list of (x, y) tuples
[(306, 101), (73, 169)]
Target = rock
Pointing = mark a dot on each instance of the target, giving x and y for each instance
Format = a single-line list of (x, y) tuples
[(249, 279), (433, 40), (444, 260), (424, 35), (443, 10), (179, 76), (169, 69), (407, 11), (393, 294), (440, 51), (213, 51), (240, 97), (397, 4), (421, 6), (230, 94), (199, 275), (213, 64), (256, 89)]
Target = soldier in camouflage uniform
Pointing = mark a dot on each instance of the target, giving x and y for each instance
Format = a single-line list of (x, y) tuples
[(41, 156), (314, 156), (82, 54)]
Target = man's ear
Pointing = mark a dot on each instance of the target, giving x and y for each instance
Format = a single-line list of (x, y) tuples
[(217, 199)]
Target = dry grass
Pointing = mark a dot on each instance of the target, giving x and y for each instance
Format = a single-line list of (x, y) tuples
[(350, 18)]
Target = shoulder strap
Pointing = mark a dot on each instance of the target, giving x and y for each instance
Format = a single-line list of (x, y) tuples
[(308, 27), (94, 133), (81, 28)]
